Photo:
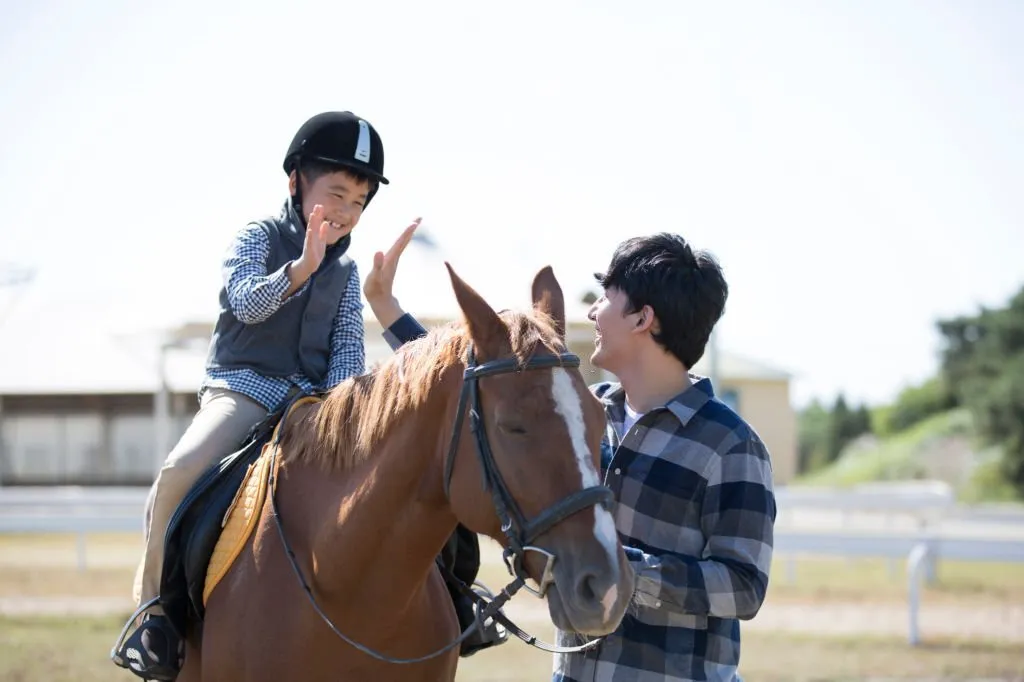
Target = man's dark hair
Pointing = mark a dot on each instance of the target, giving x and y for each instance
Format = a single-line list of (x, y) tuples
[(686, 290)]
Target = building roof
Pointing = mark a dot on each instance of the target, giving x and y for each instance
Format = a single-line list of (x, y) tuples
[(739, 368), (56, 359)]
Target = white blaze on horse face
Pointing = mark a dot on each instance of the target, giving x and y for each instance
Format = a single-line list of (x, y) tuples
[(569, 406)]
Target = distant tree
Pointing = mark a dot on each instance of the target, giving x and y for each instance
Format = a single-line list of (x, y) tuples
[(845, 425), (983, 363), (861, 421), (838, 426), (812, 425), (823, 433), (917, 403)]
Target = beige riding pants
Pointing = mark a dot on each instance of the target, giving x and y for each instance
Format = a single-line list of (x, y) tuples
[(223, 420)]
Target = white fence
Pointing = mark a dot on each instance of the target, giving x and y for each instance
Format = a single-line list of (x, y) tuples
[(925, 502), (89, 510), (71, 510), (921, 552)]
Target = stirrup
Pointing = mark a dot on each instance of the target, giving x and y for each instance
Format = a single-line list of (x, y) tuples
[(136, 652), (119, 642)]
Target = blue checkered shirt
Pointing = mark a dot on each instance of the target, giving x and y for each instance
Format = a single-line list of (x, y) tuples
[(695, 509), (255, 295), (696, 512)]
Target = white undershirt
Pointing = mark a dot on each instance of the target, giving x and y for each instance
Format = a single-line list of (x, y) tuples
[(631, 417)]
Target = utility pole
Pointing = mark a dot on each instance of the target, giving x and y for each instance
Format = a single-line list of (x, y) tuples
[(712, 352)]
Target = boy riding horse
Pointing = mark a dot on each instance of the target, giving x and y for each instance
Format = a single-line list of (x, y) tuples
[(290, 323)]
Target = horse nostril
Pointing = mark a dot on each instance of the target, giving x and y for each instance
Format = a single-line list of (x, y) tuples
[(586, 588)]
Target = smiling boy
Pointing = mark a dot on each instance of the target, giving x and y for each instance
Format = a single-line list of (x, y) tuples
[(290, 321)]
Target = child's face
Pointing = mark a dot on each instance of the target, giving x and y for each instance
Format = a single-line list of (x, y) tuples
[(343, 198)]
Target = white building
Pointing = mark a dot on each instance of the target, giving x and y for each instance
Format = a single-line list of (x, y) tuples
[(85, 407)]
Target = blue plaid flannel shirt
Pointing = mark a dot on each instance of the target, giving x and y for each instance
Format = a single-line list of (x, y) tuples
[(254, 295), (695, 508)]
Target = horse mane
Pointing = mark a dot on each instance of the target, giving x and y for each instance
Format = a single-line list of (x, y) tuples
[(346, 428)]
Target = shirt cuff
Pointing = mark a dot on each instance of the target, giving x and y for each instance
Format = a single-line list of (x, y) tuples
[(278, 282), (403, 330)]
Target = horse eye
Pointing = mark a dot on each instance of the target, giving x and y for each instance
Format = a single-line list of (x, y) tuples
[(512, 428)]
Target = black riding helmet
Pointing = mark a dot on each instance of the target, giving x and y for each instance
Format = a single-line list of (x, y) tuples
[(338, 138)]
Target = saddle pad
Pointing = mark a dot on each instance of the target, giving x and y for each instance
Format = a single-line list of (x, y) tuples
[(239, 520), (244, 511)]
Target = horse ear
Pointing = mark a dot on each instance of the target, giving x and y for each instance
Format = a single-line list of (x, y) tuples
[(548, 298), (489, 333)]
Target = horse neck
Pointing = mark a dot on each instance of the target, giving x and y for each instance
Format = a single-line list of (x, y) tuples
[(379, 526)]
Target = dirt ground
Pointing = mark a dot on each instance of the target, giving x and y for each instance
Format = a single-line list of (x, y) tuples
[(825, 620), (39, 576)]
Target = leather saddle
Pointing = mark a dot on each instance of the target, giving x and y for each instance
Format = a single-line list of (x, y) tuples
[(195, 527)]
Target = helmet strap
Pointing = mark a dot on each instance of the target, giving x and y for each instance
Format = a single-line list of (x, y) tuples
[(297, 197)]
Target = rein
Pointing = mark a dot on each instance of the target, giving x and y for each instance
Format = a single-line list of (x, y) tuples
[(518, 530)]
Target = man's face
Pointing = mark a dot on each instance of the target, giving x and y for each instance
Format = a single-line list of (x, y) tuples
[(343, 198), (615, 331)]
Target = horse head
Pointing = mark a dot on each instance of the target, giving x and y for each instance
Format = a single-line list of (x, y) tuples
[(523, 466)]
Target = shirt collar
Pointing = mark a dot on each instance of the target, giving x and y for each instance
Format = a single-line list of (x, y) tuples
[(683, 406)]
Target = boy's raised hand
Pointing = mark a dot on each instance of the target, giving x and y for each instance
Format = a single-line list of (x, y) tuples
[(381, 279), (315, 245)]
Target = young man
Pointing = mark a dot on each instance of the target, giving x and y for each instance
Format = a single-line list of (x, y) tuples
[(693, 481), (290, 321)]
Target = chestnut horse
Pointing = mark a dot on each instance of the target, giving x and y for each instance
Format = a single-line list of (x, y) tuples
[(487, 422)]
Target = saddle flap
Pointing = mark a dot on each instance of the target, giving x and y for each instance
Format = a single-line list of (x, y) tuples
[(196, 525), (193, 532), (239, 520)]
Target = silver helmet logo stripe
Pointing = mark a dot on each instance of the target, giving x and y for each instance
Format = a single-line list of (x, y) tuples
[(363, 143)]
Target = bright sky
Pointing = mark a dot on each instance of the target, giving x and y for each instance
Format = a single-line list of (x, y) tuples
[(855, 166)]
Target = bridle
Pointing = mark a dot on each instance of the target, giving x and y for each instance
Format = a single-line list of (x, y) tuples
[(519, 531)]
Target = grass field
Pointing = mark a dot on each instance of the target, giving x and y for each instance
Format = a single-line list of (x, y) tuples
[(75, 650), (794, 638)]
